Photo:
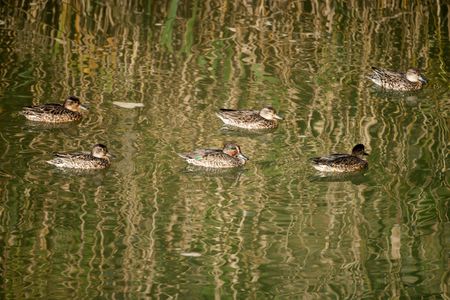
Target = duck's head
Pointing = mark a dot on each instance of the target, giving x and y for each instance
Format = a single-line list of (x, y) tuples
[(414, 75), (233, 149), (100, 151), (358, 150), (73, 103), (269, 113)]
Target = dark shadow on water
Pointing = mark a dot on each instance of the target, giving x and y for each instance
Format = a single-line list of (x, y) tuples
[(231, 173), (354, 177), (236, 131), (95, 174), (68, 127), (412, 98)]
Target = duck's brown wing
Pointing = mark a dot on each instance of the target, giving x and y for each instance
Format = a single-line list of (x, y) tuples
[(327, 159), (199, 154), (50, 108), (385, 77), (345, 160), (219, 160), (76, 155), (238, 115), (243, 118)]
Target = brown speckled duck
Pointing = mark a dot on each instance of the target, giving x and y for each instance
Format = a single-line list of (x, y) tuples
[(55, 113), (412, 80), (98, 158), (265, 118), (228, 157)]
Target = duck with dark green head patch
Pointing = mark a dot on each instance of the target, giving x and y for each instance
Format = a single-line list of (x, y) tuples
[(341, 162), (69, 111), (228, 157)]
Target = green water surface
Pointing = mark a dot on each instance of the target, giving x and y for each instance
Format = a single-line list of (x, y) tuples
[(149, 227)]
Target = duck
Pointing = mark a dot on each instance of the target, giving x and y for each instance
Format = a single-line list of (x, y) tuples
[(98, 158), (228, 157), (412, 80), (266, 118), (55, 113), (340, 162)]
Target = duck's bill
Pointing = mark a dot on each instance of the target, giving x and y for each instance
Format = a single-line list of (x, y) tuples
[(84, 107), (423, 79), (242, 156), (365, 153), (278, 117)]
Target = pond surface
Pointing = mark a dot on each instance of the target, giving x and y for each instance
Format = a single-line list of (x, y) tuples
[(149, 227)]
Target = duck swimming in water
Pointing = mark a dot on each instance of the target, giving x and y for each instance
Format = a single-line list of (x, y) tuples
[(412, 80), (340, 162), (265, 118), (98, 158), (228, 157), (55, 113)]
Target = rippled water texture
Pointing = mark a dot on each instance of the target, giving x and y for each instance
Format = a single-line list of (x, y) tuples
[(149, 227)]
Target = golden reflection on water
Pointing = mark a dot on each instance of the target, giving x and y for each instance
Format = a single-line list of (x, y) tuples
[(270, 229)]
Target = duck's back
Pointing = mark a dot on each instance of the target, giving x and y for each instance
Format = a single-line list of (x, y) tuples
[(339, 163), (211, 158)]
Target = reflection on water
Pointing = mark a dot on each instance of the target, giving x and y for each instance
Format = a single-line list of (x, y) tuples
[(353, 177), (150, 227)]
